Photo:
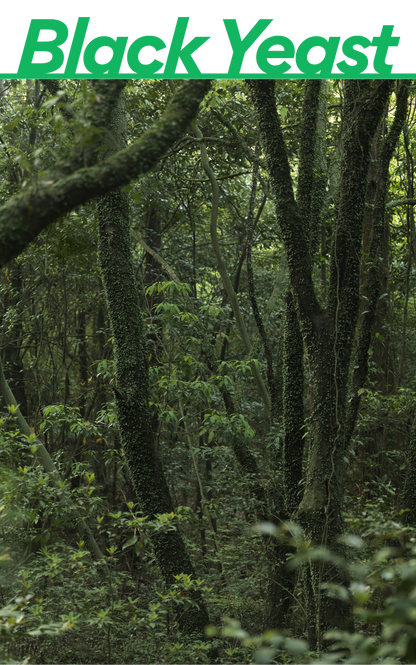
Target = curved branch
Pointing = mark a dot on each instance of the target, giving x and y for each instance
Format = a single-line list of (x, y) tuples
[(246, 151), (24, 216)]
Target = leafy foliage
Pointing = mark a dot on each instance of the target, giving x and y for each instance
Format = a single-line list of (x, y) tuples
[(59, 604)]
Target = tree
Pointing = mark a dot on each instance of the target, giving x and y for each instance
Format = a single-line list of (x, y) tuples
[(132, 379), (122, 296), (328, 332)]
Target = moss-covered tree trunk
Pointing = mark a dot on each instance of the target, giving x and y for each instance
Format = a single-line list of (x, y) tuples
[(282, 580), (152, 274), (328, 333), (374, 268), (132, 380)]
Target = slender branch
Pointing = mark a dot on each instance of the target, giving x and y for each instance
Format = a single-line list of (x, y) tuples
[(45, 459), (221, 267), (252, 295)]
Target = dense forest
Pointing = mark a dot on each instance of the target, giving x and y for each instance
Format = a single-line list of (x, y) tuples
[(207, 371)]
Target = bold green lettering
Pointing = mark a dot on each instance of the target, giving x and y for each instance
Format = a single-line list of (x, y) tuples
[(242, 43), (276, 52), (181, 50), (382, 44), (133, 55), (350, 52), (76, 47), (330, 45), (112, 67), (33, 45)]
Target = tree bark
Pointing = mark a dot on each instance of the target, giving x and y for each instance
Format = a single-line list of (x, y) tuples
[(74, 181), (376, 215), (328, 334), (132, 383)]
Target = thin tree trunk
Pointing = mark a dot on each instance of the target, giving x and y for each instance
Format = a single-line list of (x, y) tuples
[(82, 527)]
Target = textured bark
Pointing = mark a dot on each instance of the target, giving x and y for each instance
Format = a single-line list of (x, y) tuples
[(152, 274), (292, 408), (132, 384), (375, 226), (281, 580), (73, 181), (328, 334)]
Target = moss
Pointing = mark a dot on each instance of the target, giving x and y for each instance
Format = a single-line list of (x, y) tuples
[(328, 334), (292, 407), (68, 185), (132, 384)]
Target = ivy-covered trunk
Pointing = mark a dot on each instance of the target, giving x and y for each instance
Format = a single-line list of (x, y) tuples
[(132, 380), (282, 580), (328, 331), (320, 511)]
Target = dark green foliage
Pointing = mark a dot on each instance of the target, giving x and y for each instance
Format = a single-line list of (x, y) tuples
[(141, 389)]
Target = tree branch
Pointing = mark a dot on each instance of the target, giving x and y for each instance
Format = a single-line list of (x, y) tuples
[(24, 216)]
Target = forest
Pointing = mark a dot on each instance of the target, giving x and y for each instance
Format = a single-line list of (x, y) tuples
[(207, 371)]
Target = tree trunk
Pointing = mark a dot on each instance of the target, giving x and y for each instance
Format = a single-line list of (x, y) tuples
[(328, 334), (132, 383), (152, 274)]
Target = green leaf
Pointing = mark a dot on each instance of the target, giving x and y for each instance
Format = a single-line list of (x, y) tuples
[(296, 647), (131, 541)]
